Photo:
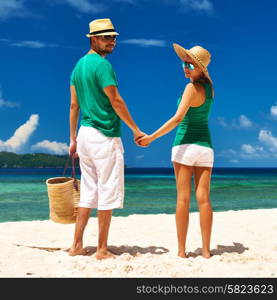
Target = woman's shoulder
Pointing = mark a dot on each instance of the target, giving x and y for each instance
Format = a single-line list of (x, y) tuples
[(195, 87)]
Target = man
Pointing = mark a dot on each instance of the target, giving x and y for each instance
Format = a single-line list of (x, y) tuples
[(94, 91)]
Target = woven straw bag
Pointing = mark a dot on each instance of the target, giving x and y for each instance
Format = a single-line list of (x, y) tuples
[(64, 196)]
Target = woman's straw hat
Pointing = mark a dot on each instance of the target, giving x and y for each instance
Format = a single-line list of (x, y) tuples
[(101, 27), (198, 54)]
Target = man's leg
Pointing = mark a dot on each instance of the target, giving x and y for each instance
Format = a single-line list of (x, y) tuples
[(81, 222), (88, 188), (104, 221)]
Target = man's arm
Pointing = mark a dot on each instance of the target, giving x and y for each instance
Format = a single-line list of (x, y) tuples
[(73, 119), (121, 109)]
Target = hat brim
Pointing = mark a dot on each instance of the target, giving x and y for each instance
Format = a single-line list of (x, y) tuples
[(182, 53), (106, 33)]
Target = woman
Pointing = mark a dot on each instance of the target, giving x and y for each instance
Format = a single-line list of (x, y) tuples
[(192, 151)]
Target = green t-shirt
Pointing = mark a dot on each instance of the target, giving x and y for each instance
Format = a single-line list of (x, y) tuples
[(90, 76)]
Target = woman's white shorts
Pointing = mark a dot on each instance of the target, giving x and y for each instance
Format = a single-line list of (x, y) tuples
[(102, 169), (193, 155)]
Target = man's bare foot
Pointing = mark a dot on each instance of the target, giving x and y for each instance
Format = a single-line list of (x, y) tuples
[(104, 254), (77, 251), (182, 254)]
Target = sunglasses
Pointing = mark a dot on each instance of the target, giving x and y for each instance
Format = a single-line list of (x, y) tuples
[(108, 38), (188, 65)]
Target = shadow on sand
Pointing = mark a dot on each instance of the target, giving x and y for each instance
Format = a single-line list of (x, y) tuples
[(236, 248), (132, 250)]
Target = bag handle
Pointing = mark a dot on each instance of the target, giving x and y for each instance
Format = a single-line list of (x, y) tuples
[(73, 172)]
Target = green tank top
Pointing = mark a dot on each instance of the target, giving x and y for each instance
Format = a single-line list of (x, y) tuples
[(194, 128)]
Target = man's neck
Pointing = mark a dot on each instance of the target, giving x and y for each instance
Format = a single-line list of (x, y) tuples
[(93, 51)]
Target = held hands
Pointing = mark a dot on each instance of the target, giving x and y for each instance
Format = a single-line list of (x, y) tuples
[(144, 141), (138, 134)]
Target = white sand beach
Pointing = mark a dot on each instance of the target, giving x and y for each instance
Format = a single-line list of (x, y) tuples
[(244, 244)]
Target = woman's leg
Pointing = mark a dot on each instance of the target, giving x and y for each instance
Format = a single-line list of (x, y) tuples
[(202, 178), (183, 176)]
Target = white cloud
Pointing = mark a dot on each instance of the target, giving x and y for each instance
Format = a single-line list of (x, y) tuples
[(31, 44), (20, 136), (249, 149), (229, 153), (268, 139), (145, 42), (200, 6), (273, 111), (12, 8), (85, 6), (222, 122), (139, 157), (126, 1), (246, 151), (252, 152), (4, 40), (51, 147), (266, 150), (6, 103), (28, 44), (244, 122)]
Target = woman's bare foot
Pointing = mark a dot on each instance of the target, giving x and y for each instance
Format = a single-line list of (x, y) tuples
[(77, 251), (104, 254), (182, 254), (206, 254)]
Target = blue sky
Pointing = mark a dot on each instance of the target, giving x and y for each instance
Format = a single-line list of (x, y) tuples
[(40, 42)]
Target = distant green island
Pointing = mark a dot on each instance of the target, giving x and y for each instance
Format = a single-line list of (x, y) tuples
[(32, 160)]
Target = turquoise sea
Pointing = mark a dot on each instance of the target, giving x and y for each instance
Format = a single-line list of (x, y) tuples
[(23, 192)]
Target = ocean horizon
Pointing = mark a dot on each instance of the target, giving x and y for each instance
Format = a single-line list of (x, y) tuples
[(23, 191)]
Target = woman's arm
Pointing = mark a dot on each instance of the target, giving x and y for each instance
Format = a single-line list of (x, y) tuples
[(189, 94)]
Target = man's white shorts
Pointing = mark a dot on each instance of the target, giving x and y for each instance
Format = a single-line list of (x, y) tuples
[(102, 169), (193, 155)]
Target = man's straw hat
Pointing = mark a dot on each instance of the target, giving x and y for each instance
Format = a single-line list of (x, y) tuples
[(101, 27), (198, 54)]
